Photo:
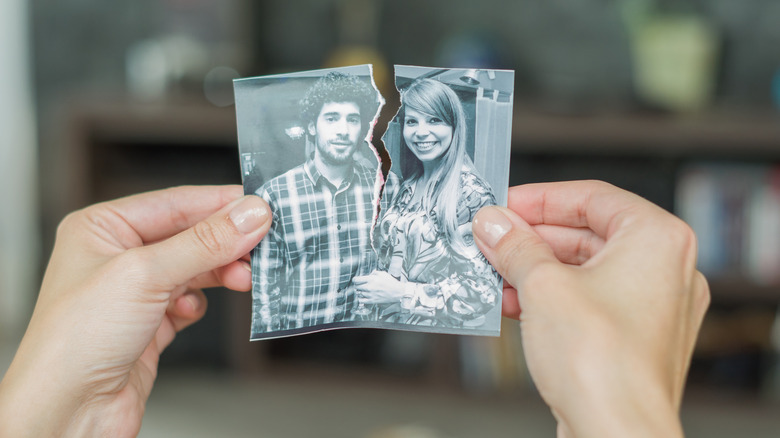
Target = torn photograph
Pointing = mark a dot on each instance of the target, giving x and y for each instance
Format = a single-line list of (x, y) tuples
[(449, 145), (350, 247), (304, 142)]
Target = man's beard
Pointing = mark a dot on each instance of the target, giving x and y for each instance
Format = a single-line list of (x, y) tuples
[(335, 159)]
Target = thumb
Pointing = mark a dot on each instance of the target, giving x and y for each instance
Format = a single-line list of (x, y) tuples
[(510, 244), (214, 242)]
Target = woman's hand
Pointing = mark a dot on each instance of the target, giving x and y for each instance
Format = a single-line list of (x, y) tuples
[(609, 300), (124, 277), (378, 287)]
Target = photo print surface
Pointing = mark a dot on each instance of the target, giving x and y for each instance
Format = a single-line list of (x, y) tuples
[(350, 247)]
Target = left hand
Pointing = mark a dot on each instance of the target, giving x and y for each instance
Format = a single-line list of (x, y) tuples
[(611, 303), (378, 287), (124, 277)]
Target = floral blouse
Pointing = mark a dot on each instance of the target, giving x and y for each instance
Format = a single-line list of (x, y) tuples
[(447, 284)]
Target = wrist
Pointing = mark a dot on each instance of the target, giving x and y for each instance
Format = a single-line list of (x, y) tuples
[(621, 409), (32, 409), (29, 409), (38, 397)]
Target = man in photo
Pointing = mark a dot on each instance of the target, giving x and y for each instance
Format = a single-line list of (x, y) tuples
[(322, 210)]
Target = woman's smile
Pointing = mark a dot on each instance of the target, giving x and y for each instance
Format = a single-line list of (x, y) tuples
[(426, 135), (426, 145)]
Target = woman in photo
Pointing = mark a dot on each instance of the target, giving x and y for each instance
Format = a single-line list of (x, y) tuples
[(430, 271)]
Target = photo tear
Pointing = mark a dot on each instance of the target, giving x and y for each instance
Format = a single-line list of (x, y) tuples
[(339, 255)]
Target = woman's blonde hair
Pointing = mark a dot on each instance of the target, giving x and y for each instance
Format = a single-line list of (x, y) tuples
[(442, 190)]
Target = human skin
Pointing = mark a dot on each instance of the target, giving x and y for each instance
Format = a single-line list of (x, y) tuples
[(427, 136), (123, 278), (604, 284), (337, 130), (609, 300)]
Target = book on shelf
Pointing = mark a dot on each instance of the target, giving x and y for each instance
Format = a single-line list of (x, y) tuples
[(734, 209)]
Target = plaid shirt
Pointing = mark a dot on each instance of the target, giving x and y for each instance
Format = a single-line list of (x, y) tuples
[(301, 269)]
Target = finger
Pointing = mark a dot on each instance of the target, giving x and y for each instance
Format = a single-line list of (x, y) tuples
[(188, 309), (573, 246), (210, 244), (368, 299), (182, 312), (372, 299), (235, 276), (164, 335), (510, 306), (596, 205), (510, 244), (157, 215), (206, 280)]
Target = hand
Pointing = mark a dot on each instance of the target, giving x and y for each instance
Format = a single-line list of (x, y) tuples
[(124, 277), (609, 300), (378, 287)]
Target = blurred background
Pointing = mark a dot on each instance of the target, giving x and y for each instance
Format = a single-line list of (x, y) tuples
[(676, 100)]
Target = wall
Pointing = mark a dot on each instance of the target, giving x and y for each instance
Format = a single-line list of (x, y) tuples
[(18, 200)]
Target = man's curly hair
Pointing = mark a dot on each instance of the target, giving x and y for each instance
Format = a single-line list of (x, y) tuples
[(339, 87)]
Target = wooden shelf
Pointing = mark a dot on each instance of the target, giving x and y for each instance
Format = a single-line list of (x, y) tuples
[(111, 148), (751, 135), (173, 122), (92, 129), (740, 290), (648, 135), (197, 124)]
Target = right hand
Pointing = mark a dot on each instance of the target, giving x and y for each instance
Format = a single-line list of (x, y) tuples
[(378, 287), (124, 277), (609, 300)]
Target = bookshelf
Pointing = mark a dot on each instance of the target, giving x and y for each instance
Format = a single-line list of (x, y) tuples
[(113, 148), (723, 134), (627, 150)]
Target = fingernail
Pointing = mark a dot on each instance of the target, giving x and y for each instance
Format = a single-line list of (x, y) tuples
[(249, 215), (490, 225), (193, 302)]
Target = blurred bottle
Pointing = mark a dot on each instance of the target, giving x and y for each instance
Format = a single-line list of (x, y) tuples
[(358, 28), (675, 52)]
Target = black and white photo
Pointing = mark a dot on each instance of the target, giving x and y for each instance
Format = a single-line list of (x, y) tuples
[(430, 273), (323, 207), (350, 247)]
